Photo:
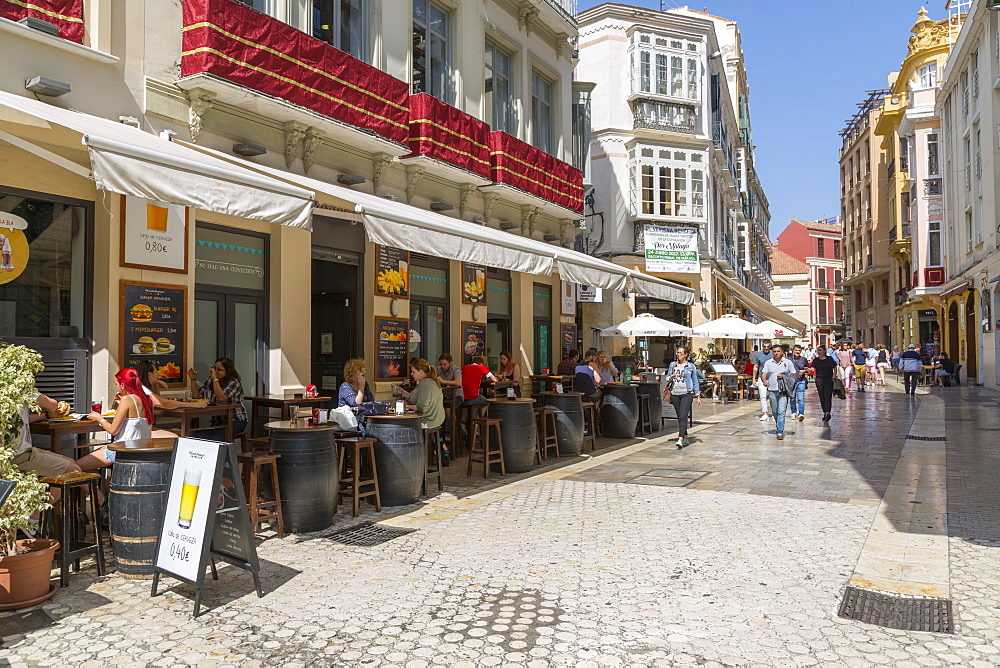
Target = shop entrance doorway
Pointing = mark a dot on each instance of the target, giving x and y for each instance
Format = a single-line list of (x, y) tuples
[(336, 316), (971, 344), (231, 325)]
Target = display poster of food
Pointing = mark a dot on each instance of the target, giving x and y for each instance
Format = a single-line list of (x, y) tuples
[(567, 339), (154, 235), (473, 283), (13, 246), (153, 320), (391, 358), (473, 341), (392, 272), (230, 535)]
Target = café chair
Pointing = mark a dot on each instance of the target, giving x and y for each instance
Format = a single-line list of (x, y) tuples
[(360, 480), (261, 509), (590, 424), (432, 441), (63, 523), (492, 450), (545, 427)]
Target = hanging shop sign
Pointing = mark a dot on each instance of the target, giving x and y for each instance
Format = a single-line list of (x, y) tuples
[(392, 272), (671, 248), (13, 246), (473, 283), (205, 518), (567, 339), (153, 328), (154, 235), (391, 358), (589, 294), (568, 302), (473, 341)]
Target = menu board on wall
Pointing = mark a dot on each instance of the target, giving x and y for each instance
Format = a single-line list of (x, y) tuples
[(473, 341), (567, 339), (392, 272), (391, 359), (152, 328), (473, 283), (154, 235)]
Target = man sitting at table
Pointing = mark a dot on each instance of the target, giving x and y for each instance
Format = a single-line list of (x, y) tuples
[(945, 369), (568, 366), (472, 378), (587, 377)]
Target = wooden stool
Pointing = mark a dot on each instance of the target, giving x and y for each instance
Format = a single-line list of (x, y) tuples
[(466, 415), (261, 510), (492, 452), (241, 439), (545, 427), (352, 483), (590, 424), (644, 424), (432, 441), (70, 549), (259, 444)]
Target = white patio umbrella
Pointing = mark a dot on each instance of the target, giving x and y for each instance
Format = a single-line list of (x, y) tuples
[(730, 327), (777, 330), (647, 324)]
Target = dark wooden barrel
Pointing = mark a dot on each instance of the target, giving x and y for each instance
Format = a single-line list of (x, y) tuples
[(656, 402), (569, 420), (399, 457), (138, 499), (517, 431), (307, 473), (619, 411)]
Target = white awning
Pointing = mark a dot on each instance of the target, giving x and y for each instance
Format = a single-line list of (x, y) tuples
[(759, 305), (129, 161), (417, 230)]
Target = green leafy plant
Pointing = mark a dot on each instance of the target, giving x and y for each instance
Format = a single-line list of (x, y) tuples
[(18, 366)]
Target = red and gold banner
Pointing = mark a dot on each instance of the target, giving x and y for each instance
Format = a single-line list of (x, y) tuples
[(441, 131), (250, 49), (67, 14), (534, 171)]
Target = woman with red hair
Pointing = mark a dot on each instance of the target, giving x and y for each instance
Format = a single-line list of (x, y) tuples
[(132, 420)]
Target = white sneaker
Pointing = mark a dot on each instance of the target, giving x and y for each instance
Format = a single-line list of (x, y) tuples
[(763, 417)]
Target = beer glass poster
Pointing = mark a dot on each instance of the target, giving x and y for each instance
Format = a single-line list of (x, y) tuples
[(152, 318), (473, 283), (671, 248)]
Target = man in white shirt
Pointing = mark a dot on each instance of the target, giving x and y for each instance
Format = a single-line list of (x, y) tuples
[(809, 353), (775, 371)]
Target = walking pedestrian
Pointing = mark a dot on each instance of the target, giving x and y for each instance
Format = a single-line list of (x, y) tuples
[(912, 367), (824, 365), (809, 353), (683, 386), (800, 363), (881, 364), (759, 360), (894, 360), (777, 372), (870, 364), (845, 365), (859, 356)]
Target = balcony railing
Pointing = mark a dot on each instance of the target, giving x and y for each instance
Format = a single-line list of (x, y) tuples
[(521, 165), (66, 15), (892, 169), (932, 187), (658, 115)]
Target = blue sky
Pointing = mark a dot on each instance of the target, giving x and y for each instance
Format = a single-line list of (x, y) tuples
[(808, 64)]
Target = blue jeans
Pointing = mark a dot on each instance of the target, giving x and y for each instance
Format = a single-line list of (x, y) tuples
[(799, 405), (779, 404)]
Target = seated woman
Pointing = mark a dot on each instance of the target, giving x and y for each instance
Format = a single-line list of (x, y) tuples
[(354, 390), (132, 420), (223, 386), (606, 368), (426, 397), (510, 371)]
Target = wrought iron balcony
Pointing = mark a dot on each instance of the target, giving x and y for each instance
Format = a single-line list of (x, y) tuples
[(932, 186), (658, 115)]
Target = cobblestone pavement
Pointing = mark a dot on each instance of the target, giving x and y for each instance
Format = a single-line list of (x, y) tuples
[(630, 557)]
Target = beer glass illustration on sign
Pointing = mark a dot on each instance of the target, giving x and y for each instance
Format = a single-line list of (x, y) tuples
[(189, 495), (156, 218)]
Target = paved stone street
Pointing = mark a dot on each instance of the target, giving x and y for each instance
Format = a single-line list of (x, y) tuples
[(733, 551)]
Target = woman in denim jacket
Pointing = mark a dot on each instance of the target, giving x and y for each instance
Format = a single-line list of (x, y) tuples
[(683, 386)]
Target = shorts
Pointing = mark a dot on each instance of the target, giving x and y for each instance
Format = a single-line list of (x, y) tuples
[(883, 365), (42, 462), (478, 401)]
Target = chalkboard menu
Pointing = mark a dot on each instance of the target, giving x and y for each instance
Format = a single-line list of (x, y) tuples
[(392, 272), (473, 283), (391, 338), (153, 328), (567, 339), (473, 341)]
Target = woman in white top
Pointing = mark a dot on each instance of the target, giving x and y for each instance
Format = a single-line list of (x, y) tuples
[(132, 421), (606, 368)]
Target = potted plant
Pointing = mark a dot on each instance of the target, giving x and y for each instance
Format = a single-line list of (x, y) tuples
[(25, 565)]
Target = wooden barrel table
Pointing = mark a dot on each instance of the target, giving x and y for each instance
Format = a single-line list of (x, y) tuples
[(569, 420), (656, 402), (307, 473), (619, 411), (517, 431), (138, 499), (400, 456)]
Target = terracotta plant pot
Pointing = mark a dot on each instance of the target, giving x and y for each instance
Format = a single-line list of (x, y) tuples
[(25, 578)]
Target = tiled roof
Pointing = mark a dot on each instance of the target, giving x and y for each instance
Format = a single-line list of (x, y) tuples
[(818, 226), (783, 263)]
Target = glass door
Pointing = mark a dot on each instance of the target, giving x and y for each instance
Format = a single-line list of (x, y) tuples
[(497, 339), (228, 325)]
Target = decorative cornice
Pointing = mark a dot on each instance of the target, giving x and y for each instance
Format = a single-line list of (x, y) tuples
[(312, 141), (465, 190), (527, 14), (294, 132), (382, 160), (413, 176), (200, 102), (489, 199), (529, 214), (565, 225)]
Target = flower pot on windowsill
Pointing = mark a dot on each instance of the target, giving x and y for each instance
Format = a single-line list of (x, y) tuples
[(25, 577)]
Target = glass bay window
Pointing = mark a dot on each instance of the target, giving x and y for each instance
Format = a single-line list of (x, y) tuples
[(667, 182)]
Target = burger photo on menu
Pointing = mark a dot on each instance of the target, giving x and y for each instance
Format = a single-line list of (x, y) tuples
[(163, 345), (141, 313), (146, 344)]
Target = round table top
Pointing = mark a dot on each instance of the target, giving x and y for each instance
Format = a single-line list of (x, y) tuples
[(144, 445), (395, 416), (505, 400), (302, 424), (546, 394)]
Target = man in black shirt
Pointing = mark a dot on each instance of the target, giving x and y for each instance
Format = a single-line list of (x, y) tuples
[(824, 366), (946, 369)]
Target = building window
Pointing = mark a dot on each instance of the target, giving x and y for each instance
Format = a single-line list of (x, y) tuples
[(821, 248), (431, 51), (644, 67), (904, 206), (787, 296), (342, 24), (928, 75), (975, 76), (933, 164), (541, 113), (934, 245), (671, 182), (677, 71), (499, 103), (836, 249)]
